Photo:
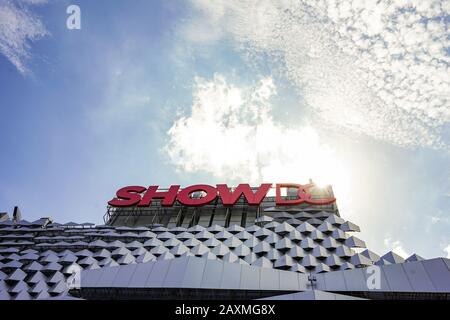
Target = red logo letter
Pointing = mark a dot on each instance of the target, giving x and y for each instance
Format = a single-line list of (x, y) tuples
[(127, 196), (152, 193), (184, 198), (230, 198), (303, 195)]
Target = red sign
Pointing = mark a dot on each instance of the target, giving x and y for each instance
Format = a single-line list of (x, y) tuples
[(142, 196)]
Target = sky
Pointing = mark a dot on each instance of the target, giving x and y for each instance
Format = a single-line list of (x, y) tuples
[(349, 93)]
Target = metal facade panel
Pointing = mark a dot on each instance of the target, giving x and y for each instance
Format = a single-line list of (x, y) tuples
[(439, 273), (397, 278), (269, 279), (231, 276), (140, 275), (158, 273), (447, 262), (312, 295), (320, 295), (319, 284), (288, 281), (176, 272), (418, 277), (334, 281), (212, 274), (288, 296), (302, 281), (344, 297), (90, 278), (107, 277), (307, 295), (249, 278), (124, 275), (194, 272), (355, 280)]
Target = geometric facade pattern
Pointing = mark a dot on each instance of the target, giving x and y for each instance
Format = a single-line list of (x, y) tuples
[(36, 257), (239, 251)]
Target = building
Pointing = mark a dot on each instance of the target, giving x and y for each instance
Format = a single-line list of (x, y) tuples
[(288, 242)]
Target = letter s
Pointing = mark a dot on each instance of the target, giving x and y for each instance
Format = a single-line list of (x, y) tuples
[(127, 196)]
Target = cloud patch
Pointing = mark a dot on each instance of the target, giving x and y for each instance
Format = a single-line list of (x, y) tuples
[(447, 251), (229, 132), (376, 68), (19, 28), (396, 246)]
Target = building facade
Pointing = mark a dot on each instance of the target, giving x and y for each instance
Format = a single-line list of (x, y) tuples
[(291, 245)]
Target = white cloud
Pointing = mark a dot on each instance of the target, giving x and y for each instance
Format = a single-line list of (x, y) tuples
[(375, 68), (447, 250), (396, 246), (19, 27), (439, 217), (230, 133), (435, 220)]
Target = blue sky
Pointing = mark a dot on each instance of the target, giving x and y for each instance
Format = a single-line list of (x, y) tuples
[(152, 92)]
